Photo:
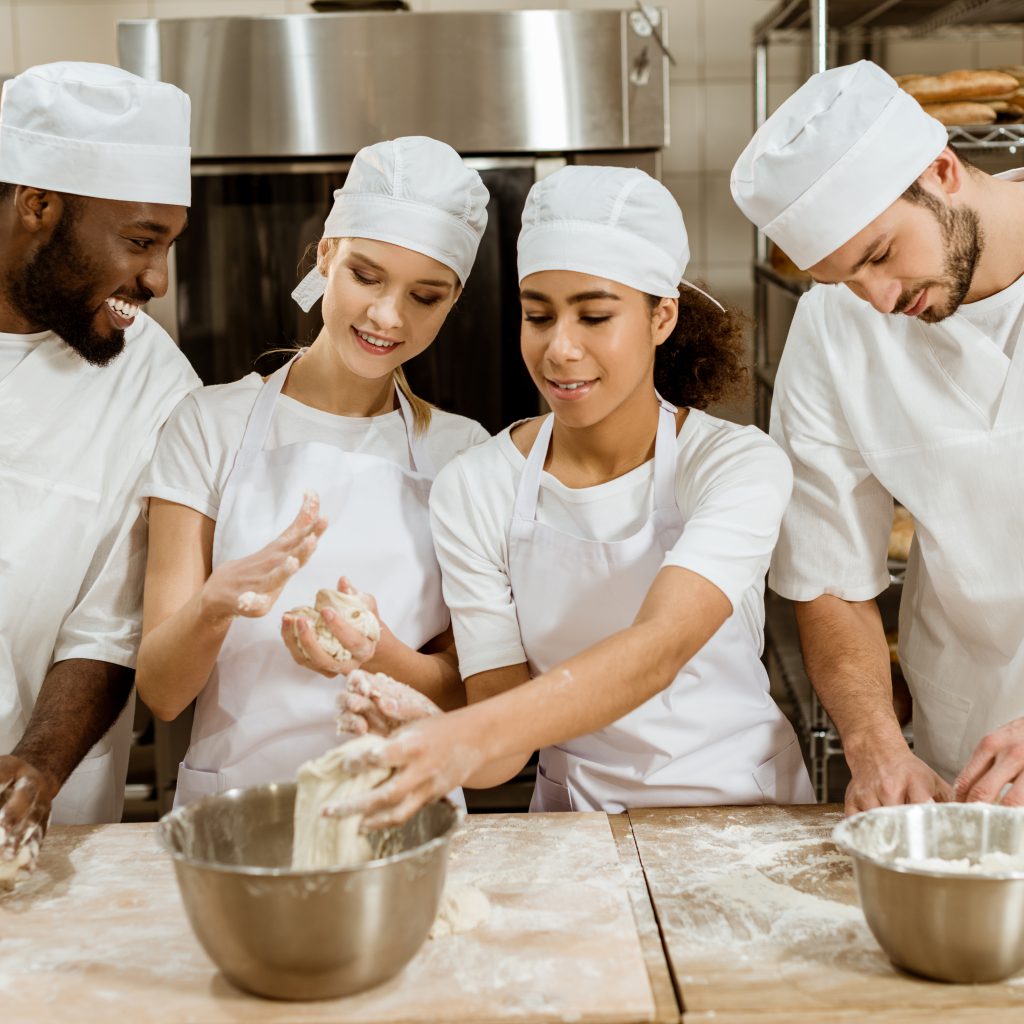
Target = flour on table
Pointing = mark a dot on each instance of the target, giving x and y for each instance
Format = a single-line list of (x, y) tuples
[(321, 842), (994, 863), (352, 608), (463, 908)]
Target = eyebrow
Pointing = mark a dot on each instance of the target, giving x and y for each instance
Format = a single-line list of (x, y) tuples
[(528, 293), (374, 265), (868, 253), (156, 228)]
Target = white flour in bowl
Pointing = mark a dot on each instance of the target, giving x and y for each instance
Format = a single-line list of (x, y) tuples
[(995, 863)]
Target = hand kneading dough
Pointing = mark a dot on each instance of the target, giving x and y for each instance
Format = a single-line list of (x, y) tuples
[(23, 860), (350, 607), (321, 842), (463, 907)]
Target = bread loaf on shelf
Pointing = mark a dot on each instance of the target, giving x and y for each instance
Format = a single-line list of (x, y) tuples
[(954, 86), (961, 112)]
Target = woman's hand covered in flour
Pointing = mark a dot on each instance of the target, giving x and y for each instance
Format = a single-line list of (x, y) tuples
[(373, 702), (250, 586), (430, 758), (300, 638)]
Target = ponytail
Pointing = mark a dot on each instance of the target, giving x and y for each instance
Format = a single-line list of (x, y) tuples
[(704, 359), (421, 410)]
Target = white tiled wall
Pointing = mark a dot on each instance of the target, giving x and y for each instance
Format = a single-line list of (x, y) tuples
[(710, 93)]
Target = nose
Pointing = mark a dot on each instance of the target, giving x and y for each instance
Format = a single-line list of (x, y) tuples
[(154, 278), (562, 346), (385, 313), (882, 293)]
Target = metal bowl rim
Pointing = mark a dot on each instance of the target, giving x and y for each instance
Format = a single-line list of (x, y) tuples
[(458, 816), (839, 838)]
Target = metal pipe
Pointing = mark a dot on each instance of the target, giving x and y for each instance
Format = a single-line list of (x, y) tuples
[(819, 35)]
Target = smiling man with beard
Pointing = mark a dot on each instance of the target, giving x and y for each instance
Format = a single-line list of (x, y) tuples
[(94, 189), (903, 376)]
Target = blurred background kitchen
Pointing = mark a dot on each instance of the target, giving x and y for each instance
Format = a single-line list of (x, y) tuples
[(279, 107)]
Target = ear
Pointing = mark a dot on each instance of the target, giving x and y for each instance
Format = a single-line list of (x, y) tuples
[(945, 173), (37, 209), (323, 256), (664, 320)]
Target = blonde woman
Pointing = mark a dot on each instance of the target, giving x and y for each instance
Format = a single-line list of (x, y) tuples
[(338, 431)]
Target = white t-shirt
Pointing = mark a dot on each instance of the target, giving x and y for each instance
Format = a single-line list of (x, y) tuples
[(1000, 316), (14, 348), (198, 446), (732, 486)]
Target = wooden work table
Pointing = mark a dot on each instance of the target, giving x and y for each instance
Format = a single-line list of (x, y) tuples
[(736, 915)]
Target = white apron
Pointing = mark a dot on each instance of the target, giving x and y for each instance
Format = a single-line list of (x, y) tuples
[(962, 612), (713, 736), (261, 715)]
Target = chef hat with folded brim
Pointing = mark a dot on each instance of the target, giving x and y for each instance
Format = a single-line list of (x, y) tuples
[(95, 130), (841, 150), (616, 223), (414, 192)]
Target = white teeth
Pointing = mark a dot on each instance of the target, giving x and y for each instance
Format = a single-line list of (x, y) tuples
[(376, 342), (125, 309), (570, 387)]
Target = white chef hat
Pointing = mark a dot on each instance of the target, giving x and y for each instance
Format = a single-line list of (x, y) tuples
[(95, 130), (415, 192), (613, 222), (843, 148)]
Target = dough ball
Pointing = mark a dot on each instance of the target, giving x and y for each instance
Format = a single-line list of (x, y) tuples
[(353, 608), (463, 908)]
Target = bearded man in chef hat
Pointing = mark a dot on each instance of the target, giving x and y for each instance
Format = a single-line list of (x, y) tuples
[(94, 189), (902, 377)]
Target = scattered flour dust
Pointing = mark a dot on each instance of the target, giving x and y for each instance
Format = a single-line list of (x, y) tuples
[(988, 864), (463, 908)]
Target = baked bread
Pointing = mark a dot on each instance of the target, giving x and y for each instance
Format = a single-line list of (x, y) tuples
[(1017, 70), (961, 85), (960, 113)]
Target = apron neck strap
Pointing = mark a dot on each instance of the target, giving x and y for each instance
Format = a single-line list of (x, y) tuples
[(263, 408), (665, 457), (422, 463), (528, 490), (529, 483)]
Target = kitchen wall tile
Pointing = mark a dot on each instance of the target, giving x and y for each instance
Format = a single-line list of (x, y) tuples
[(1009, 49), (780, 89), (687, 107), (218, 8), (929, 56), (727, 27), (7, 61), (688, 190), (730, 236), (730, 122), (684, 39), (47, 32)]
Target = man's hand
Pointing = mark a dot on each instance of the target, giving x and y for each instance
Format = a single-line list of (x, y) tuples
[(250, 586), (885, 776), (997, 762), (25, 798), (375, 703), (300, 638)]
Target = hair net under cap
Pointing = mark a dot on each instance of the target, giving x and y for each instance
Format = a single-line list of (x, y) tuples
[(842, 149), (415, 192), (95, 130), (613, 222)]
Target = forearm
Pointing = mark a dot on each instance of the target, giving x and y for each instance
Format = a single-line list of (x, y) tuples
[(177, 657), (585, 693), (847, 660), (434, 673), (79, 701)]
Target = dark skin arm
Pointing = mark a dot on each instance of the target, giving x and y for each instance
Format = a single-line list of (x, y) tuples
[(79, 701)]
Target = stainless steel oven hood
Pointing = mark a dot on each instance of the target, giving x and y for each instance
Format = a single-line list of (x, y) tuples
[(327, 84)]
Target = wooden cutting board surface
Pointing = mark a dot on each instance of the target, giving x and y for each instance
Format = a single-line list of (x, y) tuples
[(761, 922), (98, 933)]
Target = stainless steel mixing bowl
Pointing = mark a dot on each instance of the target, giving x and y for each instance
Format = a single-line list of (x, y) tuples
[(961, 928), (303, 934)]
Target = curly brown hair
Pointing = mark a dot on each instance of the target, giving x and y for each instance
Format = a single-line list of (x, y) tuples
[(704, 358)]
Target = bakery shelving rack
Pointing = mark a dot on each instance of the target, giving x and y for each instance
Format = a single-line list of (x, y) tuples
[(839, 32)]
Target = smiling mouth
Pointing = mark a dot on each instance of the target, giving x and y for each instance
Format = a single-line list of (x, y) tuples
[(376, 342), (917, 307), (122, 312)]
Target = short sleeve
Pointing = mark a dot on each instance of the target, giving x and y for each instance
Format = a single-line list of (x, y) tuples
[(835, 532), (469, 512), (187, 465), (734, 502)]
